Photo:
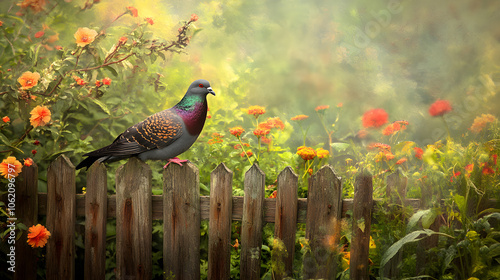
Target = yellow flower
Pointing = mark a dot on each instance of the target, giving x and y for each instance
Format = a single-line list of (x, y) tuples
[(322, 153), (10, 167), (306, 153), (40, 116), (85, 36), (37, 236), (28, 80)]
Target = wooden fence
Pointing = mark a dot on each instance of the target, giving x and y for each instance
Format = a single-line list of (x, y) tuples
[(181, 208)]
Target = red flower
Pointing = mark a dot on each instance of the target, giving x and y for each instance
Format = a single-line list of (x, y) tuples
[(33, 152), (236, 131), (36, 142), (494, 157), (455, 175), (248, 153), (39, 34), (122, 40), (260, 131), (133, 11), (439, 108), (275, 123), (256, 111), (488, 170), (98, 83), (149, 20), (321, 108), (274, 194), (401, 161), (418, 152), (375, 118), (6, 119), (106, 81), (194, 17), (469, 168)]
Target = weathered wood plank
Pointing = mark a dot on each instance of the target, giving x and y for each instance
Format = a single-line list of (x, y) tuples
[(361, 226), (96, 200), (285, 225), (61, 218), (182, 220), (26, 185), (324, 209), (219, 237), (252, 223), (133, 221)]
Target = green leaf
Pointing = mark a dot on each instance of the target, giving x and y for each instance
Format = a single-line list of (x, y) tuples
[(412, 222), (429, 218), (102, 105), (112, 70), (339, 147)]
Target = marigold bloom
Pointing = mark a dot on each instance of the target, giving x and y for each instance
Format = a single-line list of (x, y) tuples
[(10, 167), (394, 127), (488, 170), (216, 138), (133, 11), (236, 131), (36, 142), (106, 81), (321, 108), (28, 80), (79, 81), (418, 152), (40, 116), (85, 36), (439, 108), (265, 140), (322, 153), (35, 5), (98, 83), (389, 156), (299, 118), (39, 34), (306, 153), (248, 153), (260, 131), (194, 17), (6, 119), (33, 152), (401, 161), (375, 118), (28, 162), (275, 123), (380, 146), (256, 111), (480, 122), (149, 20), (38, 236)]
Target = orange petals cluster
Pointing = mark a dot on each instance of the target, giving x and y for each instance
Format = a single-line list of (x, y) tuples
[(85, 36), (256, 111), (275, 123), (6, 119), (79, 81), (306, 153), (40, 116), (401, 161), (248, 153), (28, 162), (35, 5), (149, 20), (418, 152), (261, 130), (236, 131), (133, 11), (321, 108), (395, 127), (38, 236), (10, 167), (439, 108), (194, 17), (299, 118), (28, 80), (105, 81), (384, 151), (216, 138), (480, 122), (322, 153), (375, 118)]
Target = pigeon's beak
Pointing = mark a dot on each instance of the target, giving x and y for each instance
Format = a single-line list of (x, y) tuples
[(210, 90)]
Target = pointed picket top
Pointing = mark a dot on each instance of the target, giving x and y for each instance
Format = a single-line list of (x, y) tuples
[(221, 169), (61, 161), (187, 169), (288, 171), (255, 169), (326, 171)]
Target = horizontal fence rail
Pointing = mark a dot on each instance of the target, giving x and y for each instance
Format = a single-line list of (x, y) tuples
[(182, 209)]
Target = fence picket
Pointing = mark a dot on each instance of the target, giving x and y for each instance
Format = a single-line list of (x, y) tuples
[(133, 221), (252, 223), (285, 225), (361, 226), (181, 221), (324, 209), (27, 213), (61, 218), (219, 237), (96, 200)]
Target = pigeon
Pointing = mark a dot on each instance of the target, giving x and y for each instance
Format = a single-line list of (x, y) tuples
[(161, 136)]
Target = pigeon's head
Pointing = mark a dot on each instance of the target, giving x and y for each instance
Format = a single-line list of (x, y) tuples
[(200, 87)]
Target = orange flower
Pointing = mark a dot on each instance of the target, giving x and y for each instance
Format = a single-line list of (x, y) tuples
[(149, 20), (469, 168), (439, 108), (122, 40), (236, 131), (79, 81), (266, 140), (306, 153), (261, 131), (275, 123), (194, 17), (362, 133), (216, 138), (322, 108), (481, 122), (39, 34), (85, 36), (322, 153), (98, 83), (238, 146), (6, 119), (299, 117), (35, 5), (488, 170), (40, 116), (248, 153), (375, 118), (401, 161), (37, 236), (256, 111), (10, 167), (28, 80), (380, 146), (28, 162), (133, 11), (106, 81), (418, 152), (1, 23), (273, 195)]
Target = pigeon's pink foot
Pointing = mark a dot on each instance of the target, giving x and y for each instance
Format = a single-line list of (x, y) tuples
[(175, 160)]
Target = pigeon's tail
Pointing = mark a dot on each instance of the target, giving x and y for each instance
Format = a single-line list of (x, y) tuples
[(87, 162)]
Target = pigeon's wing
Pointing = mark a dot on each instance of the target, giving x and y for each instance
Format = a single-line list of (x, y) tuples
[(155, 132)]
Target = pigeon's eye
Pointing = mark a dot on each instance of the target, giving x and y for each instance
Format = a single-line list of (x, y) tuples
[(200, 85)]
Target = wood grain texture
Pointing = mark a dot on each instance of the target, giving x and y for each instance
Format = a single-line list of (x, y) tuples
[(285, 225), (252, 223), (26, 201), (219, 237), (181, 221), (324, 209), (133, 221), (61, 218), (96, 204), (361, 226)]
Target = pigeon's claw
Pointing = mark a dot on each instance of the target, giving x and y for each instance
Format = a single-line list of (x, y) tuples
[(175, 160)]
